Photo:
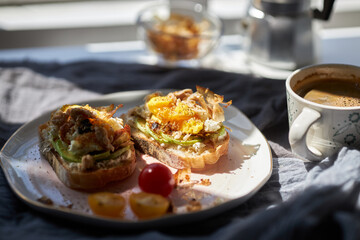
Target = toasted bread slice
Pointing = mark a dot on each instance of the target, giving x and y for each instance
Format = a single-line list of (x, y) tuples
[(73, 175), (183, 129), (180, 157), (87, 147)]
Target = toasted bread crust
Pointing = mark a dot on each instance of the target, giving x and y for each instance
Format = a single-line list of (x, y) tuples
[(87, 180), (176, 158)]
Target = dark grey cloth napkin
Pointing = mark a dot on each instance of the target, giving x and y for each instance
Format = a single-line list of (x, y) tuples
[(314, 200)]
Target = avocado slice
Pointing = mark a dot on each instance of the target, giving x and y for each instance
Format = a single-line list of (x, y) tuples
[(180, 142), (143, 127), (163, 138), (119, 152), (68, 156)]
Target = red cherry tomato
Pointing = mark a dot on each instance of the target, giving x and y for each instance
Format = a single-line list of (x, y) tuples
[(156, 178)]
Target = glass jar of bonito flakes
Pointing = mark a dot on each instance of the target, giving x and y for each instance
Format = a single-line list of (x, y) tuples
[(182, 30)]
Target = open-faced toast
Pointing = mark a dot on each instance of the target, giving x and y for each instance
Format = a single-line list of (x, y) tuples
[(183, 129), (87, 147)]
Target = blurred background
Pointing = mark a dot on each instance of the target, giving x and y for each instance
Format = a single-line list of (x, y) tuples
[(41, 23)]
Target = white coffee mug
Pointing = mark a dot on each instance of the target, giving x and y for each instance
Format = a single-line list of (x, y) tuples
[(316, 130)]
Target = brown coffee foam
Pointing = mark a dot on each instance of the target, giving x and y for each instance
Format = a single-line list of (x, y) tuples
[(330, 91), (332, 100)]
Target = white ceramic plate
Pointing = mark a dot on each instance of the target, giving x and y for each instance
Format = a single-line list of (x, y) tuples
[(234, 179)]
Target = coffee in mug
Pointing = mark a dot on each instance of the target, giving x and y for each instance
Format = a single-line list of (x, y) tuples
[(335, 92), (323, 109)]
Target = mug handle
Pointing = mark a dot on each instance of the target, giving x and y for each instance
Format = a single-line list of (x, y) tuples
[(298, 131)]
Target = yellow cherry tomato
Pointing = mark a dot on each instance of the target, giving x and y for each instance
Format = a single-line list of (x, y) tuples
[(107, 204), (148, 205)]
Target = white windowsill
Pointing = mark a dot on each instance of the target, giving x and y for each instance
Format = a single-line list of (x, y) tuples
[(110, 13), (92, 14), (77, 23), (69, 15)]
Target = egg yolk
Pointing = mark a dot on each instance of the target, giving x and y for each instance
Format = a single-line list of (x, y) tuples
[(166, 110)]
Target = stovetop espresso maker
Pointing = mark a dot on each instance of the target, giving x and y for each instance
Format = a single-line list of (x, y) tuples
[(282, 33)]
